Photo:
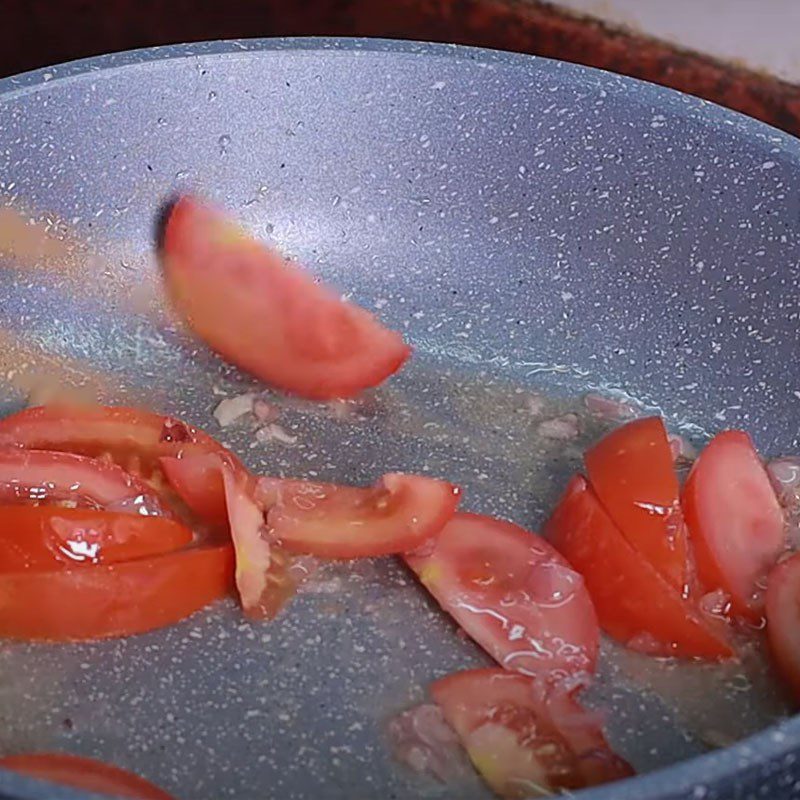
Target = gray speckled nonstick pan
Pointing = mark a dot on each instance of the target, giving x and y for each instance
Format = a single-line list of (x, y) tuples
[(531, 226)]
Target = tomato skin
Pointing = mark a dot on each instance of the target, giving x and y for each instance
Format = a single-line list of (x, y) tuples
[(630, 596), (286, 329), (398, 514), (114, 599), (46, 537), (735, 521), (631, 472), (783, 620), (197, 480), (34, 475), (520, 734), (84, 773), (514, 595)]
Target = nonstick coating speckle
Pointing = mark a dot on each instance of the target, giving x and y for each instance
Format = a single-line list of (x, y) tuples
[(537, 231)]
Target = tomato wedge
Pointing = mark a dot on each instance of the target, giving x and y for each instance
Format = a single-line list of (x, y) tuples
[(514, 595), (735, 521), (634, 602), (262, 568), (39, 475), (783, 619), (525, 740), (399, 513), (46, 537), (128, 435), (137, 440), (113, 599), (631, 471), (84, 773), (268, 316)]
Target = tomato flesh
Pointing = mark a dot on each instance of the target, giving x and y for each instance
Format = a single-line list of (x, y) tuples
[(783, 619), (84, 773), (263, 578), (526, 740), (635, 604), (286, 329), (398, 514), (514, 595), (43, 476), (46, 537), (631, 472), (735, 521)]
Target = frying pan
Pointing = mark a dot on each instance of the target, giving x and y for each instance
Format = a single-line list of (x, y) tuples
[(531, 226)]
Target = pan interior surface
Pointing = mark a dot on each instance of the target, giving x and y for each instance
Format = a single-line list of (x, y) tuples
[(536, 230)]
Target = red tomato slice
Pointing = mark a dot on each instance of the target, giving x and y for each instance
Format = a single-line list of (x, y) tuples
[(399, 513), (46, 537), (631, 471), (198, 482), (84, 773), (268, 316), (514, 595), (39, 475), (634, 602), (114, 599), (262, 569), (138, 440), (783, 619), (522, 738), (735, 521)]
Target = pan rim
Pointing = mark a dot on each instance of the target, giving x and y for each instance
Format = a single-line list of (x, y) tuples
[(780, 741), (33, 80)]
